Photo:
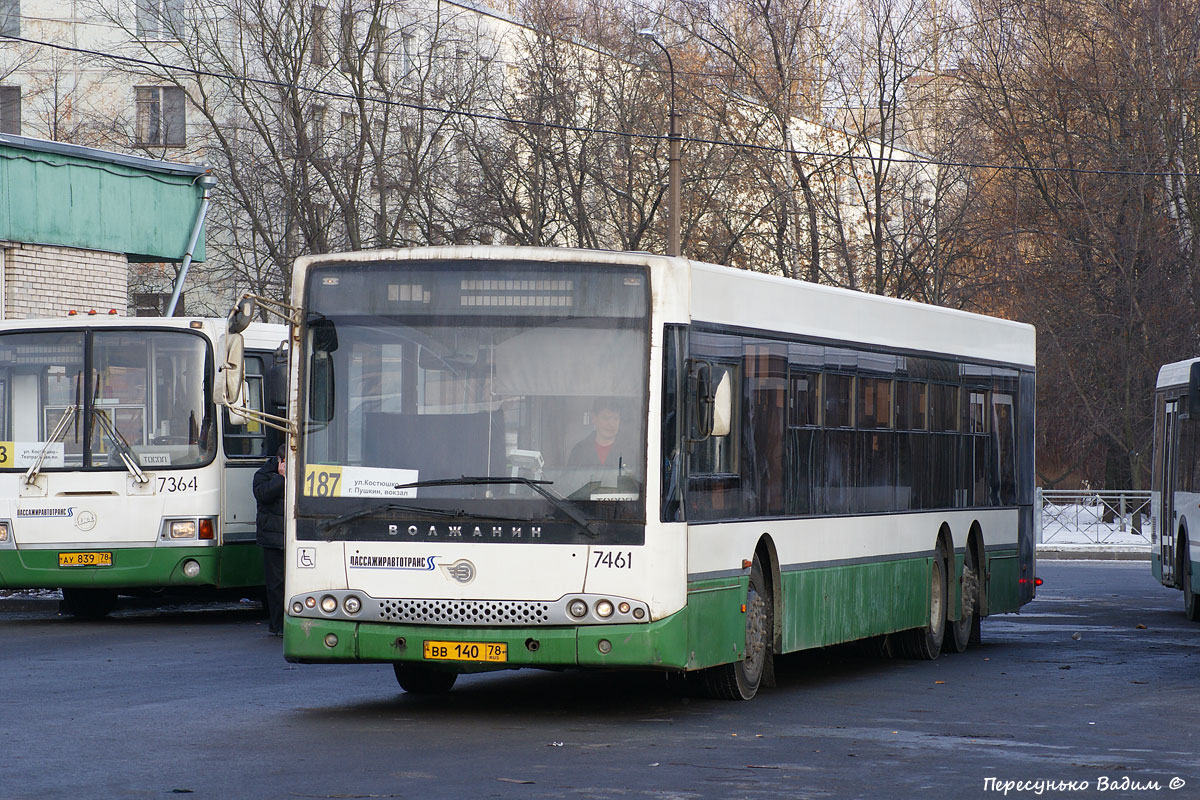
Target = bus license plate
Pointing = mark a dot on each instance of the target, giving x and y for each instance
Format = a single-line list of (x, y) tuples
[(466, 651), (85, 559)]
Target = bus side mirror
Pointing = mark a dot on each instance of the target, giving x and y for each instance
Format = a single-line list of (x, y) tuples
[(232, 373), (722, 407), (241, 316), (277, 377), (321, 388), (699, 401), (1193, 401)]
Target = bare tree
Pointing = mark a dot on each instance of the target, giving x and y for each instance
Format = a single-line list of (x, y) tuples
[(1089, 216)]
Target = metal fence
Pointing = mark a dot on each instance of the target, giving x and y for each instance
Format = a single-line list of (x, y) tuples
[(1113, 517)]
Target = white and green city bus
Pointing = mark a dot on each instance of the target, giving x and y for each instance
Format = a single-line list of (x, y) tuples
[(793, 466), (116, 472), (1175, 482)]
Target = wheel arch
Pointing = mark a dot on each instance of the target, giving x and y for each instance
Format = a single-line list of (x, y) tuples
[(975, 544), (768, 557), (1183, 556)]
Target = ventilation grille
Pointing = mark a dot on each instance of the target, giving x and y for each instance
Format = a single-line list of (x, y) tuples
[(465, 612)]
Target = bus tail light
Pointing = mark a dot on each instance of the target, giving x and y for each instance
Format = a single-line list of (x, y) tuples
[(207, 529), (1034, 581)]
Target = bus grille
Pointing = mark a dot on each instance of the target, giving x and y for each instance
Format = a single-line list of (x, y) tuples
[(466, 612)]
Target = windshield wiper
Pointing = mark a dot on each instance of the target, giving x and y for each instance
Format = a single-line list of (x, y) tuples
[(558, 501), (60, 429), (382, 508), (124, 451)]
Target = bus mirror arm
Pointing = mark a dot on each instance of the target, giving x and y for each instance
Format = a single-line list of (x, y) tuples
[(278, 423), (243, 313)]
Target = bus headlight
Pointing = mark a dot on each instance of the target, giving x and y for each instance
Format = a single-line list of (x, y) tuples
[(183, 529), (604, 609), (577, 608), (329, 604), (191, 568), (5, 535), (352, 605)]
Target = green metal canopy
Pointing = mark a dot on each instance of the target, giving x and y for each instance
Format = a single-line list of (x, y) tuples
[(63, 194)]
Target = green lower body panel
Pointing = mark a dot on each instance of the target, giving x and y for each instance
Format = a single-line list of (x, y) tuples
[(656, 644), (816, 607), (829, 605), (134, 567), (1003, 587)]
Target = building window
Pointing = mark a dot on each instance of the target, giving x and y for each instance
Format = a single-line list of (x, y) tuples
[(10, 109), (159, 19), (161, 116), (10, 17), (153, 304), (320, 36)]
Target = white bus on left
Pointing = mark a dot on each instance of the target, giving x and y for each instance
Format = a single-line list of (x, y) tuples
[(117, 471)]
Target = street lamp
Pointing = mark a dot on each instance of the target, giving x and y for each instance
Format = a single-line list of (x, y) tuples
[(673, 138)]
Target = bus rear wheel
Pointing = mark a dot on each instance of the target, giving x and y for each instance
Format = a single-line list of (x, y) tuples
[(89, 603), (741, 679), (962, 629), (1191, 608), (425, 678), (926, 642)]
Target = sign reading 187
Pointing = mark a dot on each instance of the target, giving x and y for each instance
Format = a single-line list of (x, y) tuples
[(323, 480)]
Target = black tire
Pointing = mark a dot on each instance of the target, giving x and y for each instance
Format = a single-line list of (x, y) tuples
[(89, 603), (962, 629), (741, 679), (1191, 609), (417, 678), (925, 642)]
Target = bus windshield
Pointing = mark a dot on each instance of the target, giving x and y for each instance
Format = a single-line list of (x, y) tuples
[(79, 399), (422, 382)]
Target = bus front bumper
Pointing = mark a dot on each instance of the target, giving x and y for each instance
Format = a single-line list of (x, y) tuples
[(132, 567), (661, 644)]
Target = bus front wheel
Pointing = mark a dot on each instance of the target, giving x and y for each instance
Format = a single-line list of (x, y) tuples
[(926, 642), (89, 603), (741, 679), (424, 678)]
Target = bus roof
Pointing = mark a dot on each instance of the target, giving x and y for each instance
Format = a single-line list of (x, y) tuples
[(1175, 374), (708, 293), (260, 335)]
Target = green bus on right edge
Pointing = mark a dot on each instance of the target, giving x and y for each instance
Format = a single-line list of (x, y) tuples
[(1175, 486)]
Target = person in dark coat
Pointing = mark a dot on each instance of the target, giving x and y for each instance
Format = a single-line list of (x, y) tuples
[(268, 492)]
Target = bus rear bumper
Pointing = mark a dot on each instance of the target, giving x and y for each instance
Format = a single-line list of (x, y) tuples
[(661, 644)]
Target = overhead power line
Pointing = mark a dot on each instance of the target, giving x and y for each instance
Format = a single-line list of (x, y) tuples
[(494, 117)]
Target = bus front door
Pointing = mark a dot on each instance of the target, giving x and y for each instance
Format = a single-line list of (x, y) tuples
[(1166, 533)]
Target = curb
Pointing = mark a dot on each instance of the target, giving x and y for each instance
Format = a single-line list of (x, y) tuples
[(1051, 553), (29, 604)]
